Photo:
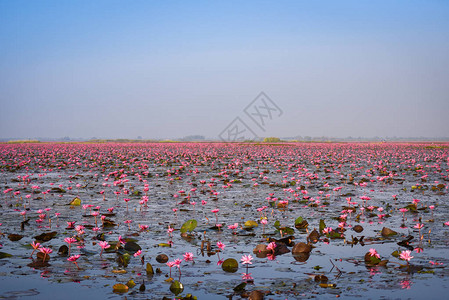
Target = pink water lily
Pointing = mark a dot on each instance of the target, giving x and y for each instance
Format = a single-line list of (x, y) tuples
[(70, 241), (271, 246), (35, 246), (188, 256), (46, 251), (74, 259), (405, 255), (246, 259), (374, 253), (103, 245)]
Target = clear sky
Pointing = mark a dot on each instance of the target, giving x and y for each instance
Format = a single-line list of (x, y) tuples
[(167, 69)]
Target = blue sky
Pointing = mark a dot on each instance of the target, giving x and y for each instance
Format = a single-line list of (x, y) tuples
[(166, 69)]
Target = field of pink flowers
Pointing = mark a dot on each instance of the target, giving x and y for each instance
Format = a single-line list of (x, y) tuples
[(220, 220)]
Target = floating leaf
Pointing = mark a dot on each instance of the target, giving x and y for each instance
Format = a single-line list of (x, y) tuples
[(120, 288), (57, 190), (108, 223), (336, 235), (261, 248), (300, 223), (189, 225), (250, 224), (298, 220), (4, 255), (132, 247), (124, 259), (322, 225), (287, 230), (277, 224), (240, 287), (63, 250), (256, 295), (14, 237), (230, 265), (42, 257), (313, 237), (149, 269), (75, 202), (386, 232), (176, 287), (301, 257), (162, 258), (131, 284), (357, 228), (321, 278), (301, 248), (328, 285), (371, 260)]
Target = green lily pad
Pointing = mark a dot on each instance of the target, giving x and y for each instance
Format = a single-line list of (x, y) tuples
[(176, 287), (75, 202), (230, 265), (4, 255), (120, 288), (322, 225), (131, 284), (149, 269), (132, 247), (250, 224), (189, 225), (240, 287)]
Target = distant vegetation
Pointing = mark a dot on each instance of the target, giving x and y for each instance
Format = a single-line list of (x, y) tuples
[(22, 141), (121, 141), (272, 140)]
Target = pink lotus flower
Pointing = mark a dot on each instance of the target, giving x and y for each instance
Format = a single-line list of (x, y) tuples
[(177, 262), (103, 245), (374, 253), (221, 245), (327, 230), (271, 246), (46, 251), (234, 226), (121, 240), (188, 256), (70, 224), (246, 259), (70, 241), (170, 264), (170, 231), (143, 227), (418, 226), (405, 255), (74, 259), (35, 246)]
